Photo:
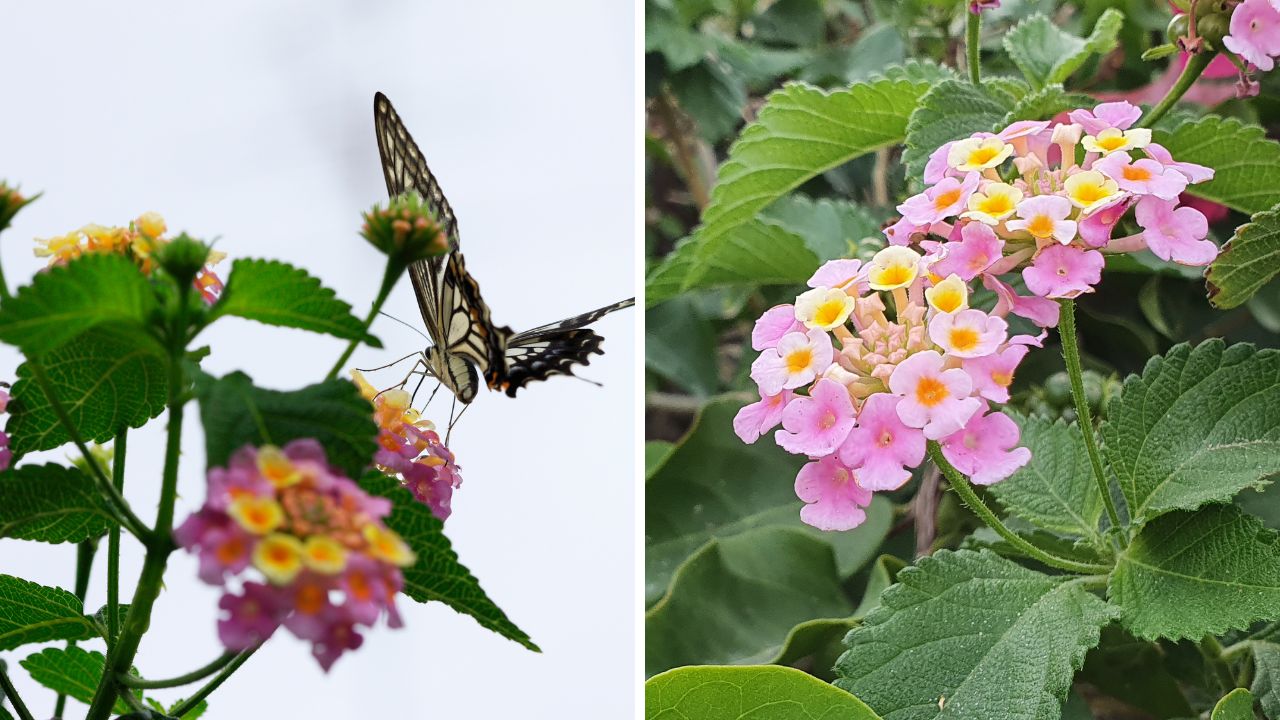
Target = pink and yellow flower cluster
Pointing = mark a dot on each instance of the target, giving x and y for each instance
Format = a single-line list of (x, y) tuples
[(1255, 34), (6, 453), (327, 562), (409, 447), (876, 359), (140, 242)]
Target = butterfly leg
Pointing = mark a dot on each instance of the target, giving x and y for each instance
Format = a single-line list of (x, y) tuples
[(454, 420), (391, 364)]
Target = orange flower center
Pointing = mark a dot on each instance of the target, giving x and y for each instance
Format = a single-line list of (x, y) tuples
[(931, 391), (798, 360), (1133, 172), (946, 199), (1041, 226), (964, 339)]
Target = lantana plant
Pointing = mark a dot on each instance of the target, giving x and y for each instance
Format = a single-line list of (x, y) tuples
[(943, 480), (324, 505)]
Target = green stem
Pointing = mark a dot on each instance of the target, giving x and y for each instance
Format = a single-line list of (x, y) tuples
[(1084, 419), (121, 506), (973, 35), (4, 286), (1211, 649), (85, 553), (113, 543), (160, 542), (1194, 67), (198, 674), (389, 278), (961, 485), (8, 691), (186, 706)]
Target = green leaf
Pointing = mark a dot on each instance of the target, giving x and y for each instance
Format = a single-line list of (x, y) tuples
[(437, 575), (52, 503), (1047, 54), (1196, 427), (763, 692), (831, 228), (1190, 574), (1235, 705), (33, 613), (655, 453), (65, 301), (680, 345), (712, 485), (71, 671), (736, 599), (1056, 490), (1247, 262), (952, 109), (277, 293), (113, 376), (800, 133), (970, 635), (1044, 104), (1266, 677), (1246, 163), (713, 95), (235, 413), (192, 714), (1133, 670)]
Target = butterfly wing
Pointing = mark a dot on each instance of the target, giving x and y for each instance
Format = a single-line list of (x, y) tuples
[(553, 349)]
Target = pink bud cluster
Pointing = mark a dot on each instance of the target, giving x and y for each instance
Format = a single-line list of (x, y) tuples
[(6, 454), (327, 562), (409, 447)]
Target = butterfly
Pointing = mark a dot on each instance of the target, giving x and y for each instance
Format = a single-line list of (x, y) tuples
[(466, 344)]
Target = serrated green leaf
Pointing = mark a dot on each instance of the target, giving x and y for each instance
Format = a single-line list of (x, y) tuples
[(1047, 54), (831, 228), (764, 692), (437, 575), (1235, 705), (1249, 260), (800, 133), (916, 70), (1056, 490), (277, 293), (950, 110), (712, 485), (71, 671), (736, 599), (236, 413), (680, 346), (1196, 427), (1266, 677), (64, 302), (971, 636), (52, 503), (113, 376), (1190, 574), (1044, 104), (1246, 163), (33, 613)]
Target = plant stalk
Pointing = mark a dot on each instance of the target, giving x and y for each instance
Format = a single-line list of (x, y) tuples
[(973, 45), (85, 553), (1084, 419), (198, 674), (9, 692), (961, 485), (113, 543), (185, 706), (389, 278), (1190, 73)]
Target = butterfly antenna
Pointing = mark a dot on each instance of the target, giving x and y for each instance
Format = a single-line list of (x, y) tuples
[(393, 317), (390, 364)]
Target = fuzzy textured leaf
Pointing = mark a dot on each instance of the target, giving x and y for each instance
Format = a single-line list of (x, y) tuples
[(1197, 426), (800, 133), (1044, 104), (1235, 705), (971, 636), (437, 574), (1056, 490), (1247, 262), (71, 671), (951, 110), (235, 413), (1189, 574), (52, 503), (277, 293), (66, 301), (1266, 677), (762, 692), (1246, 163), (34, 613), (1047, 54), (111, 377)]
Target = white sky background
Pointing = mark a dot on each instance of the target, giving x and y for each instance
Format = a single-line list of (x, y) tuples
[(252, 122)]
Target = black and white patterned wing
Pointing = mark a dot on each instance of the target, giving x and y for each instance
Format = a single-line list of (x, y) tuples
[(404, 168), (553, 349)]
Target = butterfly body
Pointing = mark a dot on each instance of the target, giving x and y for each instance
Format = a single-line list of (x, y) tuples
[(466, 344)]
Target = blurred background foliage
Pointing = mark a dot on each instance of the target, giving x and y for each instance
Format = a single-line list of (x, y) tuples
[(732, 576)]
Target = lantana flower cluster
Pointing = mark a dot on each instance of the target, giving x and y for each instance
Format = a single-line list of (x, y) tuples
[(6, 454), (323, 562), (1255, 33), (140, 242), (410, 447), (876, 359)]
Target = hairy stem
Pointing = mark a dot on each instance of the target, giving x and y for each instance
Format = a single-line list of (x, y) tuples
[(198, 674), (1084, 420), (961, 485), (1195, 66), (10, 693), (113, 543), (85, 553), (1211, 649), (686, 152), (185, 706), (389, 278), (973, 34)]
